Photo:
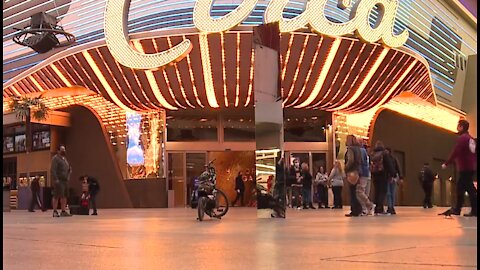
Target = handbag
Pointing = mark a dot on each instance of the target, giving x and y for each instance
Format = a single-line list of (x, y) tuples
[(352, 177)]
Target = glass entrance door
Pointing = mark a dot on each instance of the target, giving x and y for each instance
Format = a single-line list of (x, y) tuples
[(176, 174), (195, 165), (183, 167)]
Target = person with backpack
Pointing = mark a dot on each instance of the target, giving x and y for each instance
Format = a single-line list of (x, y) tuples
[(465, 156), (352, 165), (426, 178), (364, 173), (380, 169)]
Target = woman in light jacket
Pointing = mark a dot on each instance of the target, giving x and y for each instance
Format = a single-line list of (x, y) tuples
[(336, 179)]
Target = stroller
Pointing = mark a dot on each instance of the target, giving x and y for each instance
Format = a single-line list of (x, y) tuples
[(265, 200)]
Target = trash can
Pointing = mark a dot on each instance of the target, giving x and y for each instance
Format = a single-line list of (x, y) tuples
[(6, 199)]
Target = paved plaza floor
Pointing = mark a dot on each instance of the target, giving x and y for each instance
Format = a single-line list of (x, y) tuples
[(171, 239)]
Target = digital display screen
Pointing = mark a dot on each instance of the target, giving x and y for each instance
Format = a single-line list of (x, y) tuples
[(41, 140), (8, 143), (135, 154), (20, 143)]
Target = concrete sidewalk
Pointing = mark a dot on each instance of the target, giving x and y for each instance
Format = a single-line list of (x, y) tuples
[(415, 238)]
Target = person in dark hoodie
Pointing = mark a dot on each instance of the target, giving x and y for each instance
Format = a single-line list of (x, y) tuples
[(426, 178), (306, 179), (381, 170), (239, 188), (393, 179), (465, 156), (93, 189)]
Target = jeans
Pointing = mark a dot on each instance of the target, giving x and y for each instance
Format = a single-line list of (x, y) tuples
[(361, 194), (355, 206), (465, 183), (380, 186), (296, 190), (391, 187), (427, 188), (307, 196), (93, 202), (337, 197), (322, 193)]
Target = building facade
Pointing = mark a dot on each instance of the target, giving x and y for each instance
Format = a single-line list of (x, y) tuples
[(146, 132)]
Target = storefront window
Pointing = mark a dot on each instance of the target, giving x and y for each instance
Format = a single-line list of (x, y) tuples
[(307, 127), (191, 128), (239, 128)]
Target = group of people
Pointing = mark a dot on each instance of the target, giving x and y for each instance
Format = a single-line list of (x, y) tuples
[(60, 171)]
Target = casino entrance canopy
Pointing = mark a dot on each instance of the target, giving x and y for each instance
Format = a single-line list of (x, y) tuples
[(318, 72)]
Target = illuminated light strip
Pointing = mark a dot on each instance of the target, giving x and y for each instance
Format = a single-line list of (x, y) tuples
[(389, 93), (307, 78), (36, 83), (417, 108), (15, 90), (365, 81), (389, 80), (167, 81), (104, 82), (43, 83), (207, 71), (127, 82), (336, 77), (179, 77), (297, 70), (285, 63), (250, 83), (224, 75), (57, 71), (348, 75), (237, 88), (78, 75), (86, 74), (323, 74), (47, 79), (195, 91), (136, 107), (153, 83)]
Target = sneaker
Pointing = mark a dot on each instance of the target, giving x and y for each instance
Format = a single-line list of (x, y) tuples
[(65, 214), (470, 214), (299, 208), (450, 212), (393, 212), (370, 211), (352, 215), (94, 214), (55, 213)]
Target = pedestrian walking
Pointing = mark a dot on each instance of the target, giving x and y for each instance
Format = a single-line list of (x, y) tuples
[(427, 178), (465, 157), (239, 188), (60, 170)]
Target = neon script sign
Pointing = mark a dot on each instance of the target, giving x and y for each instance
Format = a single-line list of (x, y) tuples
[(313, 16)]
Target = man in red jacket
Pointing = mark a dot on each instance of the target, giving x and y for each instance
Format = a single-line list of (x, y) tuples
[(465, 157)]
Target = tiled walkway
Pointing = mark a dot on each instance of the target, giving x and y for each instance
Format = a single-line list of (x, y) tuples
[(171, 239)]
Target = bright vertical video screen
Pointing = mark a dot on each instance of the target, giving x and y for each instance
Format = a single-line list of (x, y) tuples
[(135, 156)]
